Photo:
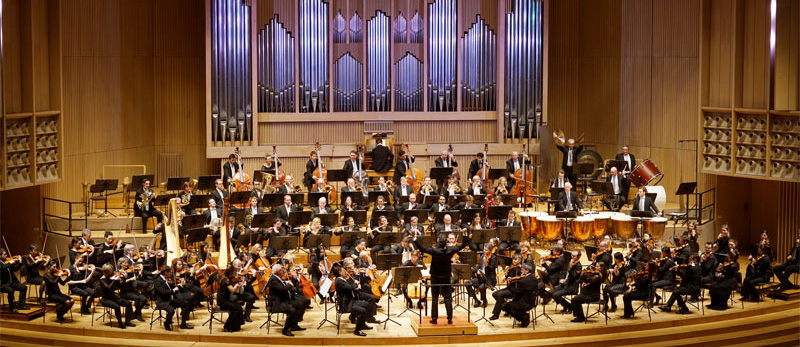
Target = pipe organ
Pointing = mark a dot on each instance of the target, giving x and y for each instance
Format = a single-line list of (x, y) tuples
[(375, 56)]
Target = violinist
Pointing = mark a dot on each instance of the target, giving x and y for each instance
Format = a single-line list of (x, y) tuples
[(88, 245), (136, 262), (691, 232), (648, 244), (151, 263), (413, 260), (484, 275), (109, 250), (758, 271), (555, 266), (665, 276), (346, 292), (81, 281), (230, 286), (603, 254), (277, 229), (281, 291), (722, 245), (590, 280), (567, 285), (511, 276), (690, 284), (635, 257), (128, 288), (708, 263), (639, 290), (190, 289), (9, 283), (510, 221), (618, 283), (311, 165), (109, 284), (789, 267), (683, 252), (441, 272), (246, 272), (725, 282), (349, 227), (54, 276), (170, 295), (523, 296), (34, 262), (75, 249), (527, 256)]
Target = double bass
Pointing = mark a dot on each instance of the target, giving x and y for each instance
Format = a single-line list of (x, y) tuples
[(523, 178), (483, 173), (241, 179), (277, 181), (455, 173), (415, 176), (320, 171)]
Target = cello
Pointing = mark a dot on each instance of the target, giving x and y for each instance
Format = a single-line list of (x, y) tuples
[(483, 173), (523, 179), (415, 176)]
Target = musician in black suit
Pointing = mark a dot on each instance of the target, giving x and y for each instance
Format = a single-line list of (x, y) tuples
[(643, 203), (484, 275), (321, 208), (347, 289), (382, 157), (570, 158), (308, 175), (523, 297), (590, 281), (413, 228), (401, 166), (446, 159), (726, 280), (690, 285), (568, 200), (9, 283), (555, 265), (212, 212), (568, 284), (476, 165), (219, 193), (168, 297), (621, 185), (277, 229), (280, 300), (603, 254), (469, 203), (352, 165), (559, 181), (683, 251), (403, 189), (510, 221), (628, 158), (475, 187), (411, 204), (380, 205), (758, 271), (282, 211), (143, 209), (791, 266), (617, 285), (257, 192), (440, 272), (512, 273), (515, 163), (440, 205), (287, 187), (108, 286), (231, 168), (640, 288), (708, 263)]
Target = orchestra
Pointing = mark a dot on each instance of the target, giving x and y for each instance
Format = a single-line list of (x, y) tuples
[(125, 277)]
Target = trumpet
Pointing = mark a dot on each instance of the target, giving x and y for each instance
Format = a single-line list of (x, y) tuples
[(501, 189), (478, 186), (359, 189), (454, 187), (328, 188), (297, 188)]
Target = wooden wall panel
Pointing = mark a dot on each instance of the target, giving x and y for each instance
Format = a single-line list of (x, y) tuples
[(324, 132), (755, 59), (443, 132), (720, 48), (787, 56), (41, 56), (788, 224), (12, 59)]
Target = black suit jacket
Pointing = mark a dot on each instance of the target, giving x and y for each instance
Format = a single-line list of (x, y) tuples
[(207, 214), (315, 210), (553, 183), (523, 291), (562, 201), (348, 166), (504, 222), (621, 156), (474, 166), (510, 167), (440, 163), (382, 159), (400, 168), (624, 184), (690, 278), (440, 260), (575, 151), (229, 170), (345, 292), (279, 291), (308, 179), (162, 291), (218, 197), (648, 205), (282, 213)]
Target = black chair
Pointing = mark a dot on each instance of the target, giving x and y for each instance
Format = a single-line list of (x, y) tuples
[(107, 312), (601, 303), (268, 303), (213, 310), (646, 303)]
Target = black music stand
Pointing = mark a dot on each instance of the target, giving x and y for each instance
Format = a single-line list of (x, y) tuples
[(193, 222), (206, 182), (297, 198), (425, 240), (360, 216), (176, 183), (337, 175), (198, 201), (391, 216), (314, 241), (607, 189), (470, 212), (402, 200), (389, 238), (263, 220), (350, 237), (479, 199), (299, 218), (583, 169), (503, 260), (428, 200), (554, 194), (453, 200), (499, 212), (136, 181), (284, 243), (106, 185), (468, 257), (196, 235), (247, 239), (405, 275), (313, 198), (272, 200), (373, 196), (240, 198), (497, 173), (422, 215), (386, 262), (454, 216), (357, 197), (440, 173), (164, 199), (621, 165), (482, 236), (509, 233), (687, 189), (461, 273), (328, 219), (509, 199)]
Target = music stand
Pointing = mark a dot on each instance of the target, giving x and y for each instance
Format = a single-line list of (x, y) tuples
[(373, 196), (357, 197), (272, 200), (313, 241), (607, 189), (328, 219), (337, 175), (313, 198), (193, 222), (284, 243), (297, 198), (386, 262), (350, 237), (470, 212), (453, 200), (440, 173), (468, 258), (263, 220), (590, 251), (206, 182), (685, 188), (106, 185), (360, 216), (509, 233), (247, 238), (425, 241), (454, 216), (482, 236), (621, 165), (405, 275), (198, 201), (136, 181), (402, 200), (499, 212), (240, 198), (461, 273), (195, 236), (176, 183), (422, 215), (497, 173), (503, 260), (299, 218), (163, 199), (479, 199), (388, 238), (509, 199)]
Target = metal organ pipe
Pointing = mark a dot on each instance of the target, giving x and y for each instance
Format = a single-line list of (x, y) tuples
[(378, 46), (276, 68), (523, 96)]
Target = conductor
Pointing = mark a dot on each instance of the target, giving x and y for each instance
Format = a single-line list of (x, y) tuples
[(440, 272)]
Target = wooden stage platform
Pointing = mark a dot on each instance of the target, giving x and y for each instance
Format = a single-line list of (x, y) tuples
[(758, 324)]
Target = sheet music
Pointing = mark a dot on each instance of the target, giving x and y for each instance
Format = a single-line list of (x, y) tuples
[(325, 287), (387, 282), (425, 272)]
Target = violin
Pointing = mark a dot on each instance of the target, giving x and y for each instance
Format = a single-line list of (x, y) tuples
[(10, 260), (85, 249)]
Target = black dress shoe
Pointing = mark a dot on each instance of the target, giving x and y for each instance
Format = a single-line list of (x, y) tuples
[(130, 324), (373, 321), (613, 309), (297, 328), (288, 333), (433, 321), (140, 318), (247, 319), (364, 327), (359, 333), (664, 308), (256, 307), (683, 311), (578, 320), (627, 316), (168, 327), (484, 303), (494, 317), (186, 326), (23, 307), (449, 320)]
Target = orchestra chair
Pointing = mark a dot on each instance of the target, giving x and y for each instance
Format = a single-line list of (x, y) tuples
[(646, 304), (157, 318), (44, 312), (96, 195), (339, 312), (107, 312), (268, 302), (213, 310), (600, 308)]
